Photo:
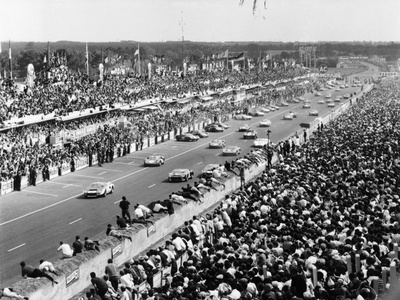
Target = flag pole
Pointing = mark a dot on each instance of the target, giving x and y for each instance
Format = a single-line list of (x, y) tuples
[(87, 60), (140, 67), (227, 59), (9, 58)]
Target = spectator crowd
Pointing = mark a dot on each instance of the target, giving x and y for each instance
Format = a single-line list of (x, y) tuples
[(322, 223)]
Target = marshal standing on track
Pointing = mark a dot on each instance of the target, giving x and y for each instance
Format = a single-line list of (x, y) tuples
[(124, 205)]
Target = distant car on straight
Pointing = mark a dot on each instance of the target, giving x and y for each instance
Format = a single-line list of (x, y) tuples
[(244, 127), (284, 104), (231, 150), (328, 96), (313, 112), (180, 175), (265, 123), (288, 116), (337, 99), (250, 134), (257, 113), (199, 133), (332, 104), (321, 101), (223, 125), (187, 137), (242, 117), (214, 128), (97, 189), (265, 109), (346, 96), (154, 160), (318, 94), (217, 144)]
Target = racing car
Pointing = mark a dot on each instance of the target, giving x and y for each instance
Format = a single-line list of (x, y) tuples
[(250, 134), (313, 112), (288, 116), (154, 160), (244, 127), (214, 128), (265, 123), (180, 175), (242, 117), (199, 133), (217, 144), (231, 150), (97, 189), (187, 137)]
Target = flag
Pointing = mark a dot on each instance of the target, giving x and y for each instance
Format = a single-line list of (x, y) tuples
[(225, 54), (106, 60), (45, 59), (136, 52), (9, 52)]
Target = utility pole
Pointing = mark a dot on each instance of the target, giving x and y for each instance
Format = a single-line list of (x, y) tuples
[(182, 24)]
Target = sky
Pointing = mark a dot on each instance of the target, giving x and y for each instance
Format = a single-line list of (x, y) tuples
[(200, 20)]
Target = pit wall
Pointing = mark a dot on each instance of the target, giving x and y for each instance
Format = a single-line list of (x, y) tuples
[(76, 271)]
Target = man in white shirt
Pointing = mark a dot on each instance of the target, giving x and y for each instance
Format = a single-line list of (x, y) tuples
[(46, 266), (66, 250), (177, 241), (126, 279), (140, 214)]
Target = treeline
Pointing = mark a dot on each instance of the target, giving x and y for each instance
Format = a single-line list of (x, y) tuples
[(173, 53)]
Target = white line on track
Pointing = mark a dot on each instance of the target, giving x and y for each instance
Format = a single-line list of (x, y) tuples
[(118, 179), (150, 186), (103, 173), (218, 154), (118, 201), (77, 220), (136, 157), (113, 170), (64, 184), (89, 176), (39, 193), (121, 163), (16, 247), (199, 163)]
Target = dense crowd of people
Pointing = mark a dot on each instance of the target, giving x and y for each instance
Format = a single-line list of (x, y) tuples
[(26, 151), (298, 230)]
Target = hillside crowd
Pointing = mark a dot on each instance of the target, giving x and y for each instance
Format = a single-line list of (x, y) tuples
[(334, 197)]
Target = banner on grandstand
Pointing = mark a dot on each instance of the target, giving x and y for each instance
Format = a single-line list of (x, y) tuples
[(6, 186), (116, 251), (72, 277)]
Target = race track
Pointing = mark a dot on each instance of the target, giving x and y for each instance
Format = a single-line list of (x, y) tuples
[(33, 221)]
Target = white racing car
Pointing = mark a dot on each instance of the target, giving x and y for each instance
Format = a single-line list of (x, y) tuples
[(242, 117), (154, 160), (265, 123), (231, 150), (244, 127), (97, 189), (217, 144), (180, 175)]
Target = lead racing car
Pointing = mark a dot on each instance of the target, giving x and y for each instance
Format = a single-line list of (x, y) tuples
[(97, 189)]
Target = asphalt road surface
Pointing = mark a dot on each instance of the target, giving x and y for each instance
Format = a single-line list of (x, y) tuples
[(33, 221)]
